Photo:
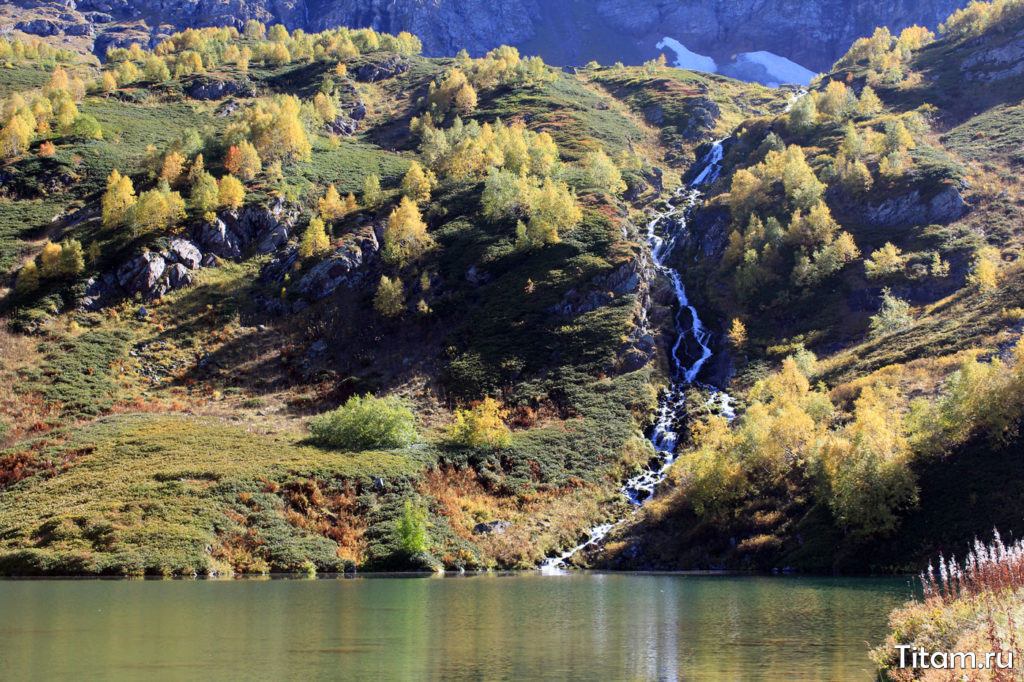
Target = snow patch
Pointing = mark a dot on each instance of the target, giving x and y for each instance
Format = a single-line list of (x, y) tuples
[(778, 69), (762, 66), (685, 59)]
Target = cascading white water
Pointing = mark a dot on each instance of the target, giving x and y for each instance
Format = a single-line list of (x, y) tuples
[(662, 232)]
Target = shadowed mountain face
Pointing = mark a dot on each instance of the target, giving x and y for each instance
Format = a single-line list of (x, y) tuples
[(812, 33)]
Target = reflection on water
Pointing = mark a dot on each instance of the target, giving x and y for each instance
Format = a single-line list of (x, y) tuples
[(521, 626)]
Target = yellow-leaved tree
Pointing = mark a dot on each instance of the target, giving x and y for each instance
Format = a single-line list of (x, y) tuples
[(482, 425), (331, 207), (117, 200), (314, 241), (231, 193), (418, 183), (405, 237)]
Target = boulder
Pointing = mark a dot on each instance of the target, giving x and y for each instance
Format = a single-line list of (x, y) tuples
[(496, 527), (141, 274), (382, 69), (623, 280), (636, 354), (215, 238), (38, 27), (178, 276), (275, 270), (209, 88), (341, 268), (185, 252), (272, 238), (342, 125), (79, 30), (654, 114), (100, 291), (704, 115), (358, 112), (98, 17)]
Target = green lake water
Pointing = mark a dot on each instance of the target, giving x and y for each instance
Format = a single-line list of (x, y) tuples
[(590, 626)]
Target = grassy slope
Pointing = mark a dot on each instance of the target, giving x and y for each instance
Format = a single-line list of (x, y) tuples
[(210, 390)]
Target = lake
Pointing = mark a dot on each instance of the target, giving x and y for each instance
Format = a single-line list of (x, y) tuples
[(484, 626)]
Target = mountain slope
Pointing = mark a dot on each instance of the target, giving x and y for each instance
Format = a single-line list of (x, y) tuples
[(862, 255), (168, 361), (575, 32)]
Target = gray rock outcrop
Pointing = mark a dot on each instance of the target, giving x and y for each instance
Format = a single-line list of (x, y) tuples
[(911, 209)]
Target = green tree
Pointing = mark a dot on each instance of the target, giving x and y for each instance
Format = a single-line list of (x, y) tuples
[(506, 194), (331, 207), (985, 275), (156, 210), (553, 208), (885, 262), (366, 422), (737, 334), (156, 69), (803, 114), (28, 279), (867, 465), (49, 260), (231, 193), (897, 137), (389, 300), (603, 172), (411, 529), (72, 258), (892, 316), (86, 127), (372, 195), (418, 183), (205, 194), (869, 104), (243, 161)]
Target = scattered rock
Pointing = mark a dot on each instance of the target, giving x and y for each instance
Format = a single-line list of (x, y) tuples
[(209, 88), (382, 70), (275, 270), (185, 252), (141, 274), (496, 527), (226, 109), (178, 276), (217, 239), (342, 125), (38, 27), (341, 268), (625, 279)]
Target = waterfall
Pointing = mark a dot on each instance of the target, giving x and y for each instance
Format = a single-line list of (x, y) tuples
[(662, 232)]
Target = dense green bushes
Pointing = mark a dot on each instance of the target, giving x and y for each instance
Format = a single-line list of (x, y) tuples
[(365, 423)]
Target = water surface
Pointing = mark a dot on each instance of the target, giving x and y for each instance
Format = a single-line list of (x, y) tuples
[(519, 626)]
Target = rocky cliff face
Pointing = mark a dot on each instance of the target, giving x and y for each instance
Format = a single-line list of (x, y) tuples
[(811, 32)]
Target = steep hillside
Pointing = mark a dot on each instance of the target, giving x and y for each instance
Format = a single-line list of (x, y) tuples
[(862, 252), (212, 246)]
